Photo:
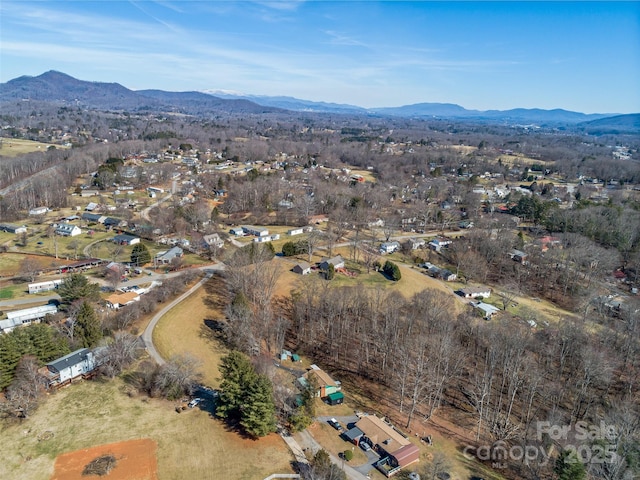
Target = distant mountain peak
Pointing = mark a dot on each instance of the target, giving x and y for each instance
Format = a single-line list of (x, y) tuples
[(58, 87)]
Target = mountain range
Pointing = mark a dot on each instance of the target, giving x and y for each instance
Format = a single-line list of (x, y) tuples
[(59, 87)]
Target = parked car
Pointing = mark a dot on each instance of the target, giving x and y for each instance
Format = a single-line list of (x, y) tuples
[(335, 424), (194, 402), (365, 446)]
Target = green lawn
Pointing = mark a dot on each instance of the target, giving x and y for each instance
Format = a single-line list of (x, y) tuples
[(7, 293)]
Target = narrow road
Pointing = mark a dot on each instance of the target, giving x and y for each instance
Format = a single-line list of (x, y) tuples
[(40, 299), (147, 335), (145, 213)]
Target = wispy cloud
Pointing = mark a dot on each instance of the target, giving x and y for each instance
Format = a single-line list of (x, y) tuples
[(337, 38), (139, 6), (282, 5)]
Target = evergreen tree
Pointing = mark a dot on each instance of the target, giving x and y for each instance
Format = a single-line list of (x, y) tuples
[(392, 271), (38, 339), (258, 411), (569, 467), (289, 249), (237, 375), (330, 273), (140, 255), (87, 330), (77, 287)]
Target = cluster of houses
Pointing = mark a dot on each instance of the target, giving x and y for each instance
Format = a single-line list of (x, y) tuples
[(260, 234), (304, 268), (394, 448), (440, 273)]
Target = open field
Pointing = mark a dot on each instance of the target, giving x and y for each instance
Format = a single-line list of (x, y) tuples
[(191, 445), (412, 281), (521, 159), (10, 262), (12, 147), (183, 330)]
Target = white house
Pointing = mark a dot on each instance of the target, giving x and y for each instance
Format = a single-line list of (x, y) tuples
[(417, 243), (166, 257), (44, 286), (38, 211), (337, 262), (257, 231), (118, 300), (267, 238), (389, 247), (475, 292), (10, 228), (437, 243), (76, 364), (213, 240), (124, 239), (26, 316), (486, 310), (295, 231), (67, 230)]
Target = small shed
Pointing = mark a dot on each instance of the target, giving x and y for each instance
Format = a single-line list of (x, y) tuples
[(302, 268), (335, 398), (295, 357)]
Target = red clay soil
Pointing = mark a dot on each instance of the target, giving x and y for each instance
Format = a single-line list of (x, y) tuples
[(136, 460)]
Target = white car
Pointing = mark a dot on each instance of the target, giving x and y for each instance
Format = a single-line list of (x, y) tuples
[(194, 402)]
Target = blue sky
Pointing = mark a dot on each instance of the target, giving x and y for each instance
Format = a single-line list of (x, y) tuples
[(581, 56)]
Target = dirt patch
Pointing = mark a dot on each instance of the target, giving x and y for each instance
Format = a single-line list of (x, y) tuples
[(132, 460)]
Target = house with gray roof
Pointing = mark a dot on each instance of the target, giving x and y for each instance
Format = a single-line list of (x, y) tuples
[(76, 364), (169, 255), (337, 262)]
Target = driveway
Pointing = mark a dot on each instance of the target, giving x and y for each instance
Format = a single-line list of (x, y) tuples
[(306, 441), (147, 335)]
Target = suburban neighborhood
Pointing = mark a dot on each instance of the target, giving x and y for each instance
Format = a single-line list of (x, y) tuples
[(323, 296)]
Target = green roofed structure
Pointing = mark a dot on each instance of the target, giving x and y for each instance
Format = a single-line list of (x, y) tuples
[(335, 398)]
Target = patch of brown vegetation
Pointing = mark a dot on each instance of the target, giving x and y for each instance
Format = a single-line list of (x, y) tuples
[(131, 460)]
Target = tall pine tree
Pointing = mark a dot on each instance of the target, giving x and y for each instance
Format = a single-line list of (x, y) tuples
[(87, 330), (140, 255), (245, 396), (257, 415), (77, 287), (237, 375)]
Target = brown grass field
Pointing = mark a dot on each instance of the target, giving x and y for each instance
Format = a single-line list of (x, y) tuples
[(191, 445), (183, 330), (135, 460), (12, 147)]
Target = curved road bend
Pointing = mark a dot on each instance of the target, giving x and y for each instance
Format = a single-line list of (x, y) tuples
[(147, 335)]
